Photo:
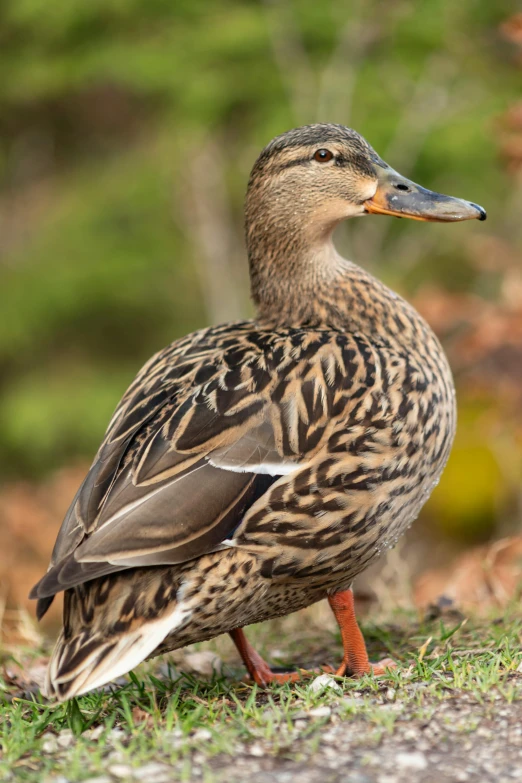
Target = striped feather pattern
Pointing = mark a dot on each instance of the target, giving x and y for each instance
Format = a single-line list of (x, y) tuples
[(255, 467)]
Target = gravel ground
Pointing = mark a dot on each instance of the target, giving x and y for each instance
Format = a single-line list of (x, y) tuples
[(458, 739), (462, 741)]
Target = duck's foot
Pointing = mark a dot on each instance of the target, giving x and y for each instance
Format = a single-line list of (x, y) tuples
[(257, 667), (355, 659)]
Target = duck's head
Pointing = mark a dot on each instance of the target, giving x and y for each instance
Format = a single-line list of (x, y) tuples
[(326, 173), (303, 184)]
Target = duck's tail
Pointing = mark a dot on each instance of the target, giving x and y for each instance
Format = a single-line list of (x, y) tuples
[(88, 655)]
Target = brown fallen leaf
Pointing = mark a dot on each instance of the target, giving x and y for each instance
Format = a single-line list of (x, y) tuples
[(486, 577), (25, 678), (142, 717)]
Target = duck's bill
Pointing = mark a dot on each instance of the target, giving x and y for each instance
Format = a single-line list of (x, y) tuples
[(396, 195)]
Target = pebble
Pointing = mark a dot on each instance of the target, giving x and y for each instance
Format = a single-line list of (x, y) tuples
[(103, 779), (50, 743), (94, 734), (154, 773), (414, 760), (256, 750), (120, 770), (202, 735), (320, 712), (117, 734), (323, 682), (65, 738)]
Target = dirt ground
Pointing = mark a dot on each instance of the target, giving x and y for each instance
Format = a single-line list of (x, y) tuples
[(461, 740)]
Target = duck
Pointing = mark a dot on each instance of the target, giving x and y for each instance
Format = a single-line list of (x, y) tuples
[(257, 467)]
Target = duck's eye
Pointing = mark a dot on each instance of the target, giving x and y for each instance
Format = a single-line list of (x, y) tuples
[(323, 155)]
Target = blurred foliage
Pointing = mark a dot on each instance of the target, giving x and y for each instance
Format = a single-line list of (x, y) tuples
[(127, 131)]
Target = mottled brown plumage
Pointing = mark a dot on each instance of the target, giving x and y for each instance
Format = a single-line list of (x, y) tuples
[(254, 468)]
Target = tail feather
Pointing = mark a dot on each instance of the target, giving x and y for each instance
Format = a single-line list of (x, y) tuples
[(87, 661)]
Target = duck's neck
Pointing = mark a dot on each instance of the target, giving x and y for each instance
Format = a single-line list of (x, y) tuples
[(292, 280), (299, 279)]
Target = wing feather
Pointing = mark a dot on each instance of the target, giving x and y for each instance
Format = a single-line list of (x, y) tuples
[(206, 427)]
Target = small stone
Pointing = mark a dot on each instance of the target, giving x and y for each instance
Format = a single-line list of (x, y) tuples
[(120, 770), (256, 750), (116, 734), (461, 775), (94, 734), (329, 737), (323, 682), (103, 779), (202, 735), (321, 712), (414, 760), (205, 662), (50, 743), (390, 694), (153, 773), (65, 738), (175, 734)]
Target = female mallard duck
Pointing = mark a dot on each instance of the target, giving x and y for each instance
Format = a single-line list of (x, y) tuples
[(256, 467)]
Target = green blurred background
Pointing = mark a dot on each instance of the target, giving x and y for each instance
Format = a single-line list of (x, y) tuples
[(127, 132)]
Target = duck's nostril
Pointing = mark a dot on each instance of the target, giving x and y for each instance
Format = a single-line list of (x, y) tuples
[(401, 186)]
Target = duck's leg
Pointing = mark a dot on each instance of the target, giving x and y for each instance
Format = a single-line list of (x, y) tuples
[(258, 669), (355, 659)]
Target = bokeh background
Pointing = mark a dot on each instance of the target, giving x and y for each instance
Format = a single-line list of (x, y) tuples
[(127, 132)]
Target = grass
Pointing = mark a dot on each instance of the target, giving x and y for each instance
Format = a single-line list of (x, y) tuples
[(191, 724)]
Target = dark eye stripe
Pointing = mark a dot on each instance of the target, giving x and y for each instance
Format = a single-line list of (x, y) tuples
[(290, 163)]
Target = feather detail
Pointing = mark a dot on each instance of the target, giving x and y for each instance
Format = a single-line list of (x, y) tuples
[(88, 661)]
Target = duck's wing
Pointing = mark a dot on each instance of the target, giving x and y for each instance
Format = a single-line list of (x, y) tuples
[(197, 438), (208, 425)]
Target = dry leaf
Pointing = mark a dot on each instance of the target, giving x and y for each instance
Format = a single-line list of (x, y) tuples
[(23, 680), (484, 578), (141, 716)]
